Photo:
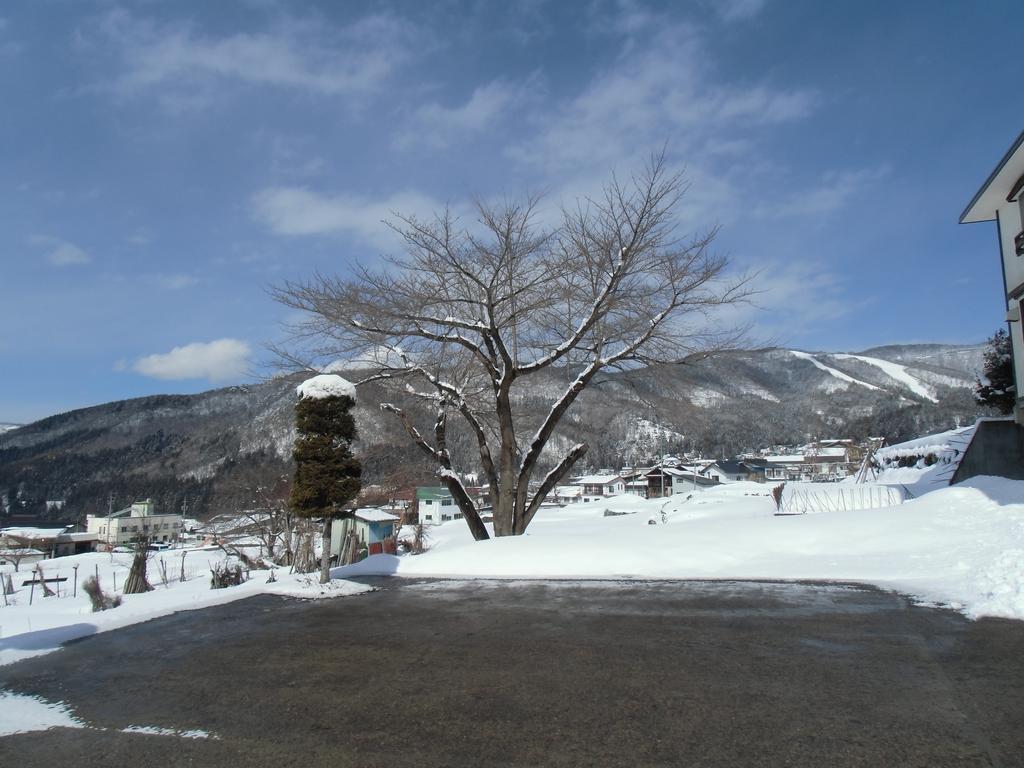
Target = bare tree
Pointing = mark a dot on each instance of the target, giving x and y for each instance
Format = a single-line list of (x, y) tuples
[(268, 519), (469, 319), (15, 556)]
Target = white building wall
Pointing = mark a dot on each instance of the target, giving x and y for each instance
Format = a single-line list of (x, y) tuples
[(1009, 219)]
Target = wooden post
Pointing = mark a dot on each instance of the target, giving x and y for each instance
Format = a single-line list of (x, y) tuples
[(182, 578), (74, 592), (115, 581), (31, 591)]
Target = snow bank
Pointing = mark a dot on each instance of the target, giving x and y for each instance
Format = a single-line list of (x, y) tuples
[(326, 385), (804, 498), (961, 546), (925, 463)]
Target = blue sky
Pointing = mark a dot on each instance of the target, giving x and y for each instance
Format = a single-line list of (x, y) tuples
[(163, 164)]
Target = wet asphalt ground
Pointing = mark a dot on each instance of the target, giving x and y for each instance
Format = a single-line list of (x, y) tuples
[(535, 673)]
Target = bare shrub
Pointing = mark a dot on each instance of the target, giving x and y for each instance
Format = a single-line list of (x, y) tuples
[(227, 575), (100, 600)]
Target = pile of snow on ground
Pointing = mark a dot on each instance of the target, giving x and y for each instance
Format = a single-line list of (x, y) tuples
[(925, 463)]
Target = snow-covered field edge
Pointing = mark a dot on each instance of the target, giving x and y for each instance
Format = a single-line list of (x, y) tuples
[(28, 630), (961, 547)]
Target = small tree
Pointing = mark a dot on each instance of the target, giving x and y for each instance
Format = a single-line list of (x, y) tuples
[(996, 387), (327, 476), (15, 556)]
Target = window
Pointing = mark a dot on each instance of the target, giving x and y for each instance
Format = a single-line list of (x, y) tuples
[(446, 502), (428, 501)]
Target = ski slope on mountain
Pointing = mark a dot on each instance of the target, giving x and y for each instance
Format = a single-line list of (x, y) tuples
[(897, 372), (829, 370)]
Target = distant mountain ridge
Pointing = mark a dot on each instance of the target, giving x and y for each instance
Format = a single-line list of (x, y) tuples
[(206, 452)]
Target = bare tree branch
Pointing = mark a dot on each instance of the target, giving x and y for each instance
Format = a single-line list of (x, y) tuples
[(472, 319)]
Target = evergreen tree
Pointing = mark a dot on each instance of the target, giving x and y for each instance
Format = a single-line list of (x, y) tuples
[(998, 389), (326, 473)]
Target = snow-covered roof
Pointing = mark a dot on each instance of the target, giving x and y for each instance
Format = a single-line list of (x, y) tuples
[(326, 385), (942, 445), (568, 490), (32, 533), (927, 462), (373, 515), (677, 471), (830, 451), (790, 459), (598, 480)]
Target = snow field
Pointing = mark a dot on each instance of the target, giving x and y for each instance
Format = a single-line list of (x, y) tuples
[(961, 546)]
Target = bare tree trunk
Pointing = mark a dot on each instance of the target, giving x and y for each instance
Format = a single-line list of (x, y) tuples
[(325, 557)]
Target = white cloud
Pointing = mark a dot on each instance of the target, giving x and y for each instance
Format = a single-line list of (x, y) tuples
[(300, 211), (294, 54), (834, 191), (437, 125), (661, 86), (217, 361), (794, 299), (60, 253)]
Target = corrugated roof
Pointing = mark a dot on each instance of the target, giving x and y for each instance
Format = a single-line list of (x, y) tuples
[(597, 479), (371, 515)]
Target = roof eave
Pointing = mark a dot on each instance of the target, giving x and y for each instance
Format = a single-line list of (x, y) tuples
[(968, 217)]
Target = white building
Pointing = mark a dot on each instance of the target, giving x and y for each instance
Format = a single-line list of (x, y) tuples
[(566, 494), (436, 505), (600, 486), (1001, 199), (134, 523)]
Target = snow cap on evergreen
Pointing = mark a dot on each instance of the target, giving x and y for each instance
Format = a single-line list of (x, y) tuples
[(326, 385)]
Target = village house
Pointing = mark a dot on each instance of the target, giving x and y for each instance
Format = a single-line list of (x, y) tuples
[(600, 486), (736, 470), (32, 544), (667, 481), (371, 529), (565, 494), (436, 505), (135, 523)]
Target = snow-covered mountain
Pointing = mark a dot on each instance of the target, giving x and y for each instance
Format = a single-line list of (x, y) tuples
[(208, 451)]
